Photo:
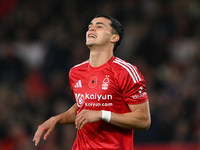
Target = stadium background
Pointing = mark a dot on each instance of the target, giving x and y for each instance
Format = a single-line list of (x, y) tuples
[(41, 40)]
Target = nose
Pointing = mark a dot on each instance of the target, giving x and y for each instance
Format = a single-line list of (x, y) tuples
[(91, 28)]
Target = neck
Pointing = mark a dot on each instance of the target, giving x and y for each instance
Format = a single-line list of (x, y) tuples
[(99, 57)]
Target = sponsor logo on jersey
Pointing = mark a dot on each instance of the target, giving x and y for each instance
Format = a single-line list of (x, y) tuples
[(80, 98), (78, 84), (92, 82), (105, 82), (140, 93)]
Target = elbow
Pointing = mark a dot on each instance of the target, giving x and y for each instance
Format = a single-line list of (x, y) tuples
[(147, 124), (143, 125), (147, 121)]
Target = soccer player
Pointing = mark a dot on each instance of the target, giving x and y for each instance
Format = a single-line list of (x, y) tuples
[(110, 94)]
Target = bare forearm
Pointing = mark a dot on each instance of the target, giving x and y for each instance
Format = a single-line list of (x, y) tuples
[(137, 118), (67, 117), (132, 120)]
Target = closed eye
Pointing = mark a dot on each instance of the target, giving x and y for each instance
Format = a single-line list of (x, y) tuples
[(99, 25)]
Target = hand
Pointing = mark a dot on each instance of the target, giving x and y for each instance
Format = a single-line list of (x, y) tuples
[(47, 126), (86, 116)]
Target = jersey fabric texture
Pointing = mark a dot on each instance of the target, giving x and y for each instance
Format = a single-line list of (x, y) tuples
[(112, 87)]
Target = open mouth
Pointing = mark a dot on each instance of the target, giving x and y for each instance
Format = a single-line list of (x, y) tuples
[(92, 36)]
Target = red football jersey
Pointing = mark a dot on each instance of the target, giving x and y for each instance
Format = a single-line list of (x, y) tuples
[(110, 87)]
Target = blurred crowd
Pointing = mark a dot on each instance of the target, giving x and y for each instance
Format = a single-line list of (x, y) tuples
[(41, 40)]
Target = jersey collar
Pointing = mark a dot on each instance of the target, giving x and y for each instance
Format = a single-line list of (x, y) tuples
[(102, 66)]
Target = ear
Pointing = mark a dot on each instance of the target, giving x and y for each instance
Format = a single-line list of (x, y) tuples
[(114, 38)]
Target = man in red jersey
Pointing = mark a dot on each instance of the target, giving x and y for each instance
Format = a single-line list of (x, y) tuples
[(110, 94)]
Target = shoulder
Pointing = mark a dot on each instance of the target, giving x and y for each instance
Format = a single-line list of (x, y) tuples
[(126, 69), (123, 65), (80, 66)]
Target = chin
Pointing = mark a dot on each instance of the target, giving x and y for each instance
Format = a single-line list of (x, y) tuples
[(89, 43)]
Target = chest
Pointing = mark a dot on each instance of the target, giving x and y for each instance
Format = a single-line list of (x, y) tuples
[(94, 89)]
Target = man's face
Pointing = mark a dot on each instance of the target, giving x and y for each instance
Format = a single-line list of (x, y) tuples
[(99, 32)]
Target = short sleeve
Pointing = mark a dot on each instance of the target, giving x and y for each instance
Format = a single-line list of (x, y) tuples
[(132, 84)]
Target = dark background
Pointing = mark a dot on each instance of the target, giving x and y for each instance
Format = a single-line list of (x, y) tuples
[(41, 40)]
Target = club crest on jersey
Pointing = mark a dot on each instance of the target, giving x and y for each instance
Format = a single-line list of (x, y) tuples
[(105, 82), (92, 82)]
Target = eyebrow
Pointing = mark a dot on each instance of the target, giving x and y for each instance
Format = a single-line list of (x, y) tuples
[(97, 23)]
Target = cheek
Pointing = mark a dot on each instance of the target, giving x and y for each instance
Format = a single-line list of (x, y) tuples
[(106, 36)]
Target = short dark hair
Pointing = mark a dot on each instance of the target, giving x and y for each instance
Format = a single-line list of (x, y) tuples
[(116, 25)]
